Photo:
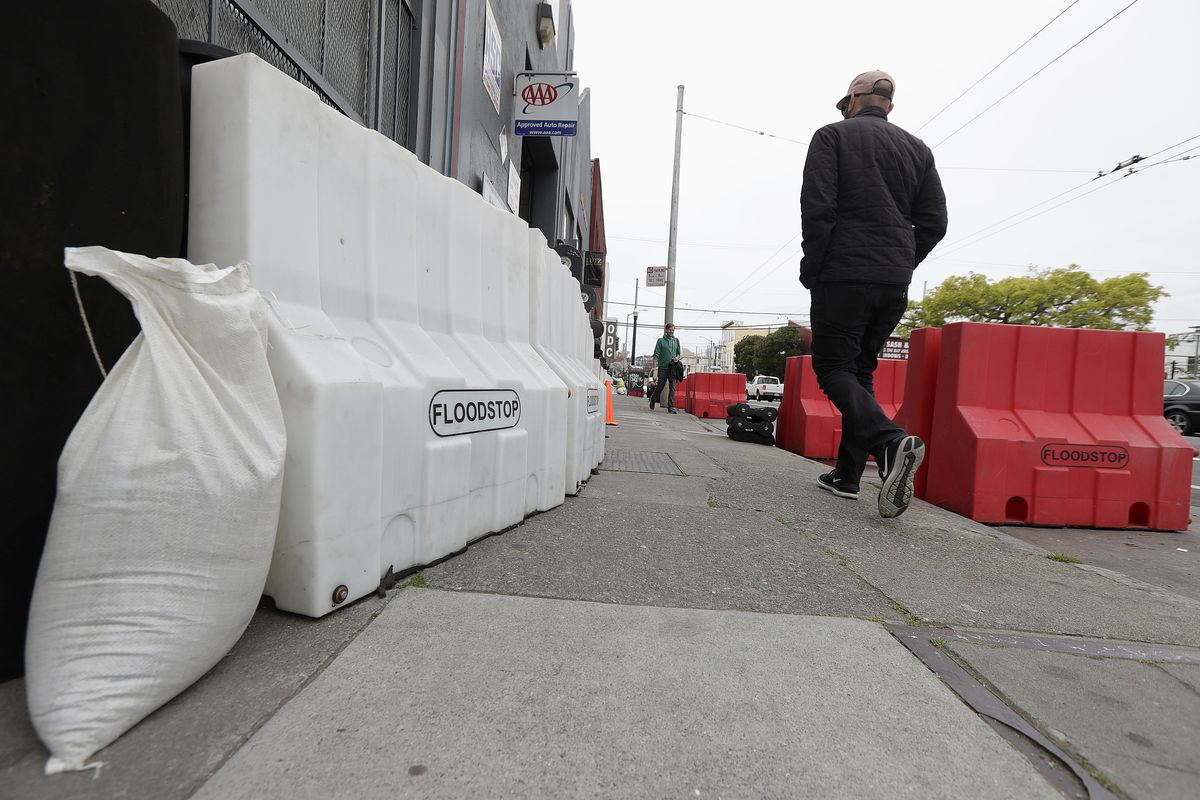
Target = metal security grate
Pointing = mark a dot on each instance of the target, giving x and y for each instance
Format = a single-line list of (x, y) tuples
[(236, 32), (190, 17), (345, 62), (639, 461), (357, 55), (403, 71), (387, 95), (303, 23)]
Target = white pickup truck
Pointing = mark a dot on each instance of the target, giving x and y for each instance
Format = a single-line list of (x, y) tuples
[(764, 387)]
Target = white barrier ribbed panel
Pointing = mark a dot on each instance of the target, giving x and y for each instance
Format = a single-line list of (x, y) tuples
[(419, 417), (549, 319)]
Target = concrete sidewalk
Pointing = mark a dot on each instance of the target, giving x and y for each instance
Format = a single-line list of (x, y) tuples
[(702, 621)]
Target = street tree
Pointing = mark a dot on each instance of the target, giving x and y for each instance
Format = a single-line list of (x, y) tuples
[(744, 350), (1066, 298), (771, 354)]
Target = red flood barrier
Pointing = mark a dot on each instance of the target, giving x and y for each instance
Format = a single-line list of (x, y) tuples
[(1053, 426), (809, 424), (681, 395), (713, 392), (915, 415)]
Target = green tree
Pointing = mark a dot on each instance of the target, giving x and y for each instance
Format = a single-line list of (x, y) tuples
[(771, 354), (1065, 298), (744, 350)]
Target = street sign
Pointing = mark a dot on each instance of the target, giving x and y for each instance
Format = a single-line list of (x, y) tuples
[(656, 276), (546, 104)]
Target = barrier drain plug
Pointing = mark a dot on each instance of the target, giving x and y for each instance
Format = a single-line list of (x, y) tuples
[(340, 594)]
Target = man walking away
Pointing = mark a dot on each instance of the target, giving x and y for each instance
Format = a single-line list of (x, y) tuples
[(871, 207), (666, 356)]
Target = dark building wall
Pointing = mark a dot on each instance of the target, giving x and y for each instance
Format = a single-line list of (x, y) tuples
[(561, 180)]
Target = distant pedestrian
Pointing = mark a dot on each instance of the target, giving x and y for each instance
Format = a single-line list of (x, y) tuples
[(872, 207), (666, 356)]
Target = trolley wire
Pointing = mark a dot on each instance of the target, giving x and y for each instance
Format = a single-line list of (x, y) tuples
[(998, 65), (1034, 75)]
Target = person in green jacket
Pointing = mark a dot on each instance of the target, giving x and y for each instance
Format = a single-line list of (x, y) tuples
[(666, 356)]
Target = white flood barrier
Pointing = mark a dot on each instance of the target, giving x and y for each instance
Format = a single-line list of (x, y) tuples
[(420, 416), (554, 334)]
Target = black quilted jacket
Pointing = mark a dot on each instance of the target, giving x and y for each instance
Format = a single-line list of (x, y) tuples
[(872, 205)]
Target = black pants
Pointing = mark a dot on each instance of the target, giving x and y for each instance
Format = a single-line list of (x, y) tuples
[(666, 386), (850, 323)]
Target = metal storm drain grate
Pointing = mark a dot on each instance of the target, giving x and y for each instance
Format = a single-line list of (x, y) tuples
[(637, 461)]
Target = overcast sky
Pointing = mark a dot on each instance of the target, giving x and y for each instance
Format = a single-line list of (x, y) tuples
[(780, 65)]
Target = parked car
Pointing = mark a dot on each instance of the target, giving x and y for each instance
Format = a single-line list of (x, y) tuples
[(1181, 405), (764, 387)]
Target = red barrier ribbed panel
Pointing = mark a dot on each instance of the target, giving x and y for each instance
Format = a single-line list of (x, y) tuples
[(789, 406), (689, 393), (714, 392), (916, 410), (1052, 426), (812, 425), (735, 391), (681, 389), (697, 388)]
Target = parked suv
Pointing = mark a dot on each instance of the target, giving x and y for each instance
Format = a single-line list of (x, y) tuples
[(764, 387), (1181, 405)]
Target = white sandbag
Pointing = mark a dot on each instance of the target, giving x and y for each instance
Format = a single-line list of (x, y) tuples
[(167, 505)]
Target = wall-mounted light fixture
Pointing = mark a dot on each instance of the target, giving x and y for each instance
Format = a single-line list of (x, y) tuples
[(545, 24)]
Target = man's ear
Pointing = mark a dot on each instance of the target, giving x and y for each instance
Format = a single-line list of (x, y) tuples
[(890, 107)]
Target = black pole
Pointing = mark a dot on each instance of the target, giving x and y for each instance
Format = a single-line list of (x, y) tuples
[(633, 347)]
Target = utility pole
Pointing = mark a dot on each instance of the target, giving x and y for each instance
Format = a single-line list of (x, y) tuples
[(670, 309), (633, 347)]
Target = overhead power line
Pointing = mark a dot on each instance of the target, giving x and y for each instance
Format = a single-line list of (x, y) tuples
[(977, 236), (1018, 169), (744, 128), (711, 310), (993, 69), (1034, 75), (797, 141), (730, 292)]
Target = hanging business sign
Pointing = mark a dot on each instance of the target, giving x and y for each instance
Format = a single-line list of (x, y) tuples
[(895, 348), (546, 104), (589, 297), (656, 276), (492, 51), (593, 268), (572, 259)]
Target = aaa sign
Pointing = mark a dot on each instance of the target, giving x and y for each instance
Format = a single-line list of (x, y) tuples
[(546, 104)]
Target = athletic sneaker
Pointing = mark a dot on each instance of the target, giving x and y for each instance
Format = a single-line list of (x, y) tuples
[(832, 482), (898, 464)]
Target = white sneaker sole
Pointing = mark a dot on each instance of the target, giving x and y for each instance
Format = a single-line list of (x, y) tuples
[(897, 491)]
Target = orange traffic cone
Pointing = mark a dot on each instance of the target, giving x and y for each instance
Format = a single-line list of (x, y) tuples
[(608, 417)]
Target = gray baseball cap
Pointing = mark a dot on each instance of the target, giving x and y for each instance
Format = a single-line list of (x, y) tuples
[(865, 84)]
